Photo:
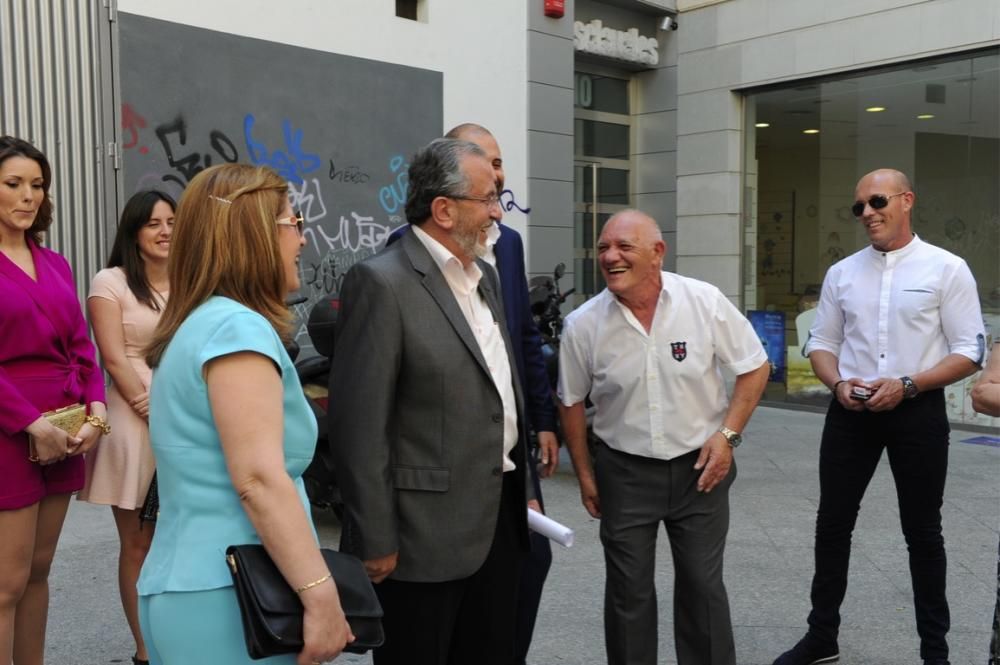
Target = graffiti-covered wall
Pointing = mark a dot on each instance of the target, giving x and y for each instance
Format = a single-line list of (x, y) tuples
[(340, 129)]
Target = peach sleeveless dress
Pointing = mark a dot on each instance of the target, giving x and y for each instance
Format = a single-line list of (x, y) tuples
[(120, 467)]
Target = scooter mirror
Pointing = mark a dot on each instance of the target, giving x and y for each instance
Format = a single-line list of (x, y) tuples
[(321, 324), (560, 270)]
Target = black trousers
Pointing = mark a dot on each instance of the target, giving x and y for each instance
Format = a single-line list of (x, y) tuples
[(459, 622), (915, 437), (533, 574), (637, 495)]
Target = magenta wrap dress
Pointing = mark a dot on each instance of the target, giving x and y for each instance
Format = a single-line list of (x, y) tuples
[(47, 361)]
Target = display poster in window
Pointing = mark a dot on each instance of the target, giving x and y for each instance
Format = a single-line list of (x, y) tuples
[(770, 328)]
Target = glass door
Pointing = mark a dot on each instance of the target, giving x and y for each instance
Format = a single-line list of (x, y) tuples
[(601, 169)]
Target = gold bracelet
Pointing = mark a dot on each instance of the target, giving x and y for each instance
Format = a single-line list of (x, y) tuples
[(99, 423), (306, 587)]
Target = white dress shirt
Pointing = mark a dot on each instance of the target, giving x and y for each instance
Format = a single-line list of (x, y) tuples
[(464, 283), (492, 235), (659, 394), (892, 314)]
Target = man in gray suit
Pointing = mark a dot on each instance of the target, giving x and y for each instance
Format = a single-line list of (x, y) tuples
[(427, 426)]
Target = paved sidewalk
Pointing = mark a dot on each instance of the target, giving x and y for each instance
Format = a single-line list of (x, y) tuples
[(768, 563)]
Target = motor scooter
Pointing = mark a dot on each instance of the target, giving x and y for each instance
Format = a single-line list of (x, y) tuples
[(314, 375), (546, 300)]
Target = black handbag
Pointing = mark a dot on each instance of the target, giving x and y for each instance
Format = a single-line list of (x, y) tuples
[(272, 612), (151, 506)]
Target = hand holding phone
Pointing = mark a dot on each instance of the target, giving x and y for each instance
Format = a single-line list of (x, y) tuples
[(860, 393)]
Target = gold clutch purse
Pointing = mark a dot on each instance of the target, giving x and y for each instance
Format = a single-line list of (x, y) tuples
[(69, 418)]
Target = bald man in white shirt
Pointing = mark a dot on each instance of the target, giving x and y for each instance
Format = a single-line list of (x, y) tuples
[(896, 323), (648, 351)]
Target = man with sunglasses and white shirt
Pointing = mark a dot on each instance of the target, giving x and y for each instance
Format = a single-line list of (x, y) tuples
[(897, 322)]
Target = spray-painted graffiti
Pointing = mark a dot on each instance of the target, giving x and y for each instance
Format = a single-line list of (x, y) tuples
[(392, 197), (508, 202), (350, 175), (173, 136), (322, 279), (308, 199), (349, 214), (356, 233), (132, 122), (292, 161)]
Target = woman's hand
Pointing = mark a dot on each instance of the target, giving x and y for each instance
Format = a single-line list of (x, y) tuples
[(49, 443), (89, 435), (325, 630), (140, 404), (86, 438)]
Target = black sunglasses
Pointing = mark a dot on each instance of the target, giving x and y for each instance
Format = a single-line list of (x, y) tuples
[(877, 202)]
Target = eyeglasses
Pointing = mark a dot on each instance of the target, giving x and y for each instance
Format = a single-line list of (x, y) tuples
[(490, 201), (296, 220), (877, 202)]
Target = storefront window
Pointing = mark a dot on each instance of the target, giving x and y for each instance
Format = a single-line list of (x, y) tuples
[(807, 145)]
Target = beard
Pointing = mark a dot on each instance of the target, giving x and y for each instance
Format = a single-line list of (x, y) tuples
[(468, 239)]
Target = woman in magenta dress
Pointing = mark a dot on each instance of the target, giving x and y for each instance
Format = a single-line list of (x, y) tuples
[(125, 303), (46, 362)]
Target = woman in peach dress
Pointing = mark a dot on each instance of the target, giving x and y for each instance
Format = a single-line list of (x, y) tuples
[(125, 302)]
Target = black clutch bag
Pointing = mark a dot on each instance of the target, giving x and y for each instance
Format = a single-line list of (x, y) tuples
[(150, 508), (272, 612)]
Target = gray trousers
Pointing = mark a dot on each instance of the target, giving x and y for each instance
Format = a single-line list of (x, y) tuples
[(637, 494)]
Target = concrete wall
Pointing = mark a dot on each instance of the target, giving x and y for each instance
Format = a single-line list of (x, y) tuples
[(654, 158), (482, 55), (726, 46), (550, 139)]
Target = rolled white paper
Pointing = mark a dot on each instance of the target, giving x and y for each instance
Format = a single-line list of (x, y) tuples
[(550, 528)]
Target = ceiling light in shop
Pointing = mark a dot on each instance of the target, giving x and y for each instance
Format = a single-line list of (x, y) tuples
[(925, 116), (762, 124), (875, 109), (810, 131)]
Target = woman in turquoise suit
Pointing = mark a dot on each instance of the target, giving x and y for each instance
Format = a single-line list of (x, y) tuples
[(230, 427)]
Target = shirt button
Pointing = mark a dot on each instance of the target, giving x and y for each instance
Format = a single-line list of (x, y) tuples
[(497, 470), (497, 417), (881, 355)]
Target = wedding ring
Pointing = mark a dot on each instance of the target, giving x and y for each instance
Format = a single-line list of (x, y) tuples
[(32, 458)]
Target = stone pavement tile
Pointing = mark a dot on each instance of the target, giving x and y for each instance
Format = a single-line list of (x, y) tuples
[(86, 623), (983, 512), (769, 564)]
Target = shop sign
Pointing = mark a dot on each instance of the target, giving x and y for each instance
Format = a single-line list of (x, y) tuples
[(626, 45)]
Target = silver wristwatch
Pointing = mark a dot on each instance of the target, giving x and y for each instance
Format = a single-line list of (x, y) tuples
[(732, 436)]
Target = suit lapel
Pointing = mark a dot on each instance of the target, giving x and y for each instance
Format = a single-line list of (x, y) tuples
[(493, 294), (433, 280)]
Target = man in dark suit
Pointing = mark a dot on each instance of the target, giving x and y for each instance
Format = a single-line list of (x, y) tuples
[(505, 251), (427, 426)]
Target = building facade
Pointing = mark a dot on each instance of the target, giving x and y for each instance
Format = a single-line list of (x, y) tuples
[(741, 126), (783, 105)]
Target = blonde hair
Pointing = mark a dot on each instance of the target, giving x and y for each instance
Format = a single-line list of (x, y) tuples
[(225, 243)]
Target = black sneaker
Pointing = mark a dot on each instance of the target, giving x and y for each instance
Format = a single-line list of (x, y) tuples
[(936, 661), (809, 651)]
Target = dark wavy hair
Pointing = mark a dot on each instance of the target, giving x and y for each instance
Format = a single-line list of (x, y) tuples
[(11, 146), (125, 251)]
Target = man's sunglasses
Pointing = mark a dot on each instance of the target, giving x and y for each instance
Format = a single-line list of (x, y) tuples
[(877, 202)]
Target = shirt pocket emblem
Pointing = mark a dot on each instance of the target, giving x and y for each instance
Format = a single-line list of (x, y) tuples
[(678, 350)]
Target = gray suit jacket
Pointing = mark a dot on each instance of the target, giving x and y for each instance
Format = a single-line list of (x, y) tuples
[(416, 422)]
